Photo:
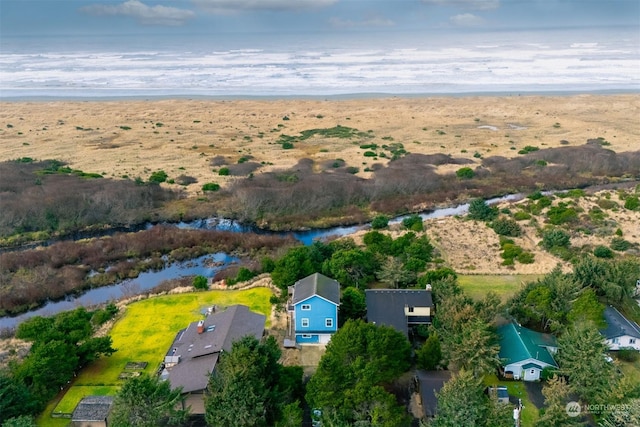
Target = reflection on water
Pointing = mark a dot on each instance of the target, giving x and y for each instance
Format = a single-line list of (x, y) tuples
[(208, 265)]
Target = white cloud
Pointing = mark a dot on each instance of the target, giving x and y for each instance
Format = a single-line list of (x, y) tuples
[(467, 4), (371, 22), (466, 20), (226, 6), (150, 15)]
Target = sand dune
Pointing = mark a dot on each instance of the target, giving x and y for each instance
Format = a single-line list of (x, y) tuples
[(135, 138)]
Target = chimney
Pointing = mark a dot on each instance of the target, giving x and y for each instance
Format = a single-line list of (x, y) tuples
[(428, 287), (201, 326)]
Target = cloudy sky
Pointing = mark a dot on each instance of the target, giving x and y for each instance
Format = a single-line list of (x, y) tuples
[(224, 17)]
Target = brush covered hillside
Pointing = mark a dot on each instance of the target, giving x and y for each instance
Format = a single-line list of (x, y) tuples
[(533, 235), (287, 164)]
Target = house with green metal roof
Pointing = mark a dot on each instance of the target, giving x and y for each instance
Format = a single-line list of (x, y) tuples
[(525, 353)]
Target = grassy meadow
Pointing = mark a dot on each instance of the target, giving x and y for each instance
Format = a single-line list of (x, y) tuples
[(505, 286), (143, 333)]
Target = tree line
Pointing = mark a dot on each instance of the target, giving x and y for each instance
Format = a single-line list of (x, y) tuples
[(61, 345)]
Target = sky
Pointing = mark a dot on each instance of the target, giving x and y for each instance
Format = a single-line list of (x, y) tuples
[(284, 18)]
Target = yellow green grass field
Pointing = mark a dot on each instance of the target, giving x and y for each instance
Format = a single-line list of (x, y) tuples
[(505, 286), (144, 332)]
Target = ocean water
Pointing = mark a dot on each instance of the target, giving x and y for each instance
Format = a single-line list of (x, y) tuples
[(121, 66)]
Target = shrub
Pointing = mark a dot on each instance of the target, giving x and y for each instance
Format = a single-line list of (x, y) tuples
[(528, 149), (369, 154), (607, 204), (521, 215), (243, 275), (535, 195), (506, 227), (628, 354), (543, 202), (429, 355), (632, 203), (413, 223), (380, 221), (619, 244), (268, 264), (200, 282), (211, 186), (562, 214), (158, 177), (555, 238), (352, 170), (223, 171), (479, 210), (603, 252), (287, 145), (185, 180), (465, 173), (437, 274), (510, 251), (526, 258)]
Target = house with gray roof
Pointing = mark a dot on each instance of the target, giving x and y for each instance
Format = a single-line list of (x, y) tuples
[(92, 411), (399, 308), (620, 332), (524, 352), (194, 353), (314, 309)]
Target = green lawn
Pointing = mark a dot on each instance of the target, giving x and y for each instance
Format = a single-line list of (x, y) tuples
[(516, 388), (76, 393), (505, 286), (143, 334)]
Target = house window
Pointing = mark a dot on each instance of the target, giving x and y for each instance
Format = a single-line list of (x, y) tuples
[(305, 307), (304, 322), (411, 309), (533, 371), (328, 323), (306, 335), (632, 340), (616, 341)]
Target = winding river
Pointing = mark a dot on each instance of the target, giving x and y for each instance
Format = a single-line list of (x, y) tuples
[(208, 265)]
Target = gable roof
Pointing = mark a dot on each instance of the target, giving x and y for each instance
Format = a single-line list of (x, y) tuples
[(618, 325), (518, 344), (386, 306), (316, 284), (92, 408), (199, 351), (430, 383)]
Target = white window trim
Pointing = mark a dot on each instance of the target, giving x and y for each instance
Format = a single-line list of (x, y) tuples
[(304, 322), (305, 307), (328, 322)]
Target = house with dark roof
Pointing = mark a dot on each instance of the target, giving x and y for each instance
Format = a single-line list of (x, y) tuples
[(400, 308), (92, 411), (314, 309), (194, 353), (525, 353), (620, 331), (429, 385)]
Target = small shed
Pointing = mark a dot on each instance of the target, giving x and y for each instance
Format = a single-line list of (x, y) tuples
[(92, 411)]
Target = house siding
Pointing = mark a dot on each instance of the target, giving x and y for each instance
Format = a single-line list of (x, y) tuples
[(623, 341), (321, 310), (519, 373)]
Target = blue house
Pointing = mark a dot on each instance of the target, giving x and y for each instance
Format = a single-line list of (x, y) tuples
[(314, 309)]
